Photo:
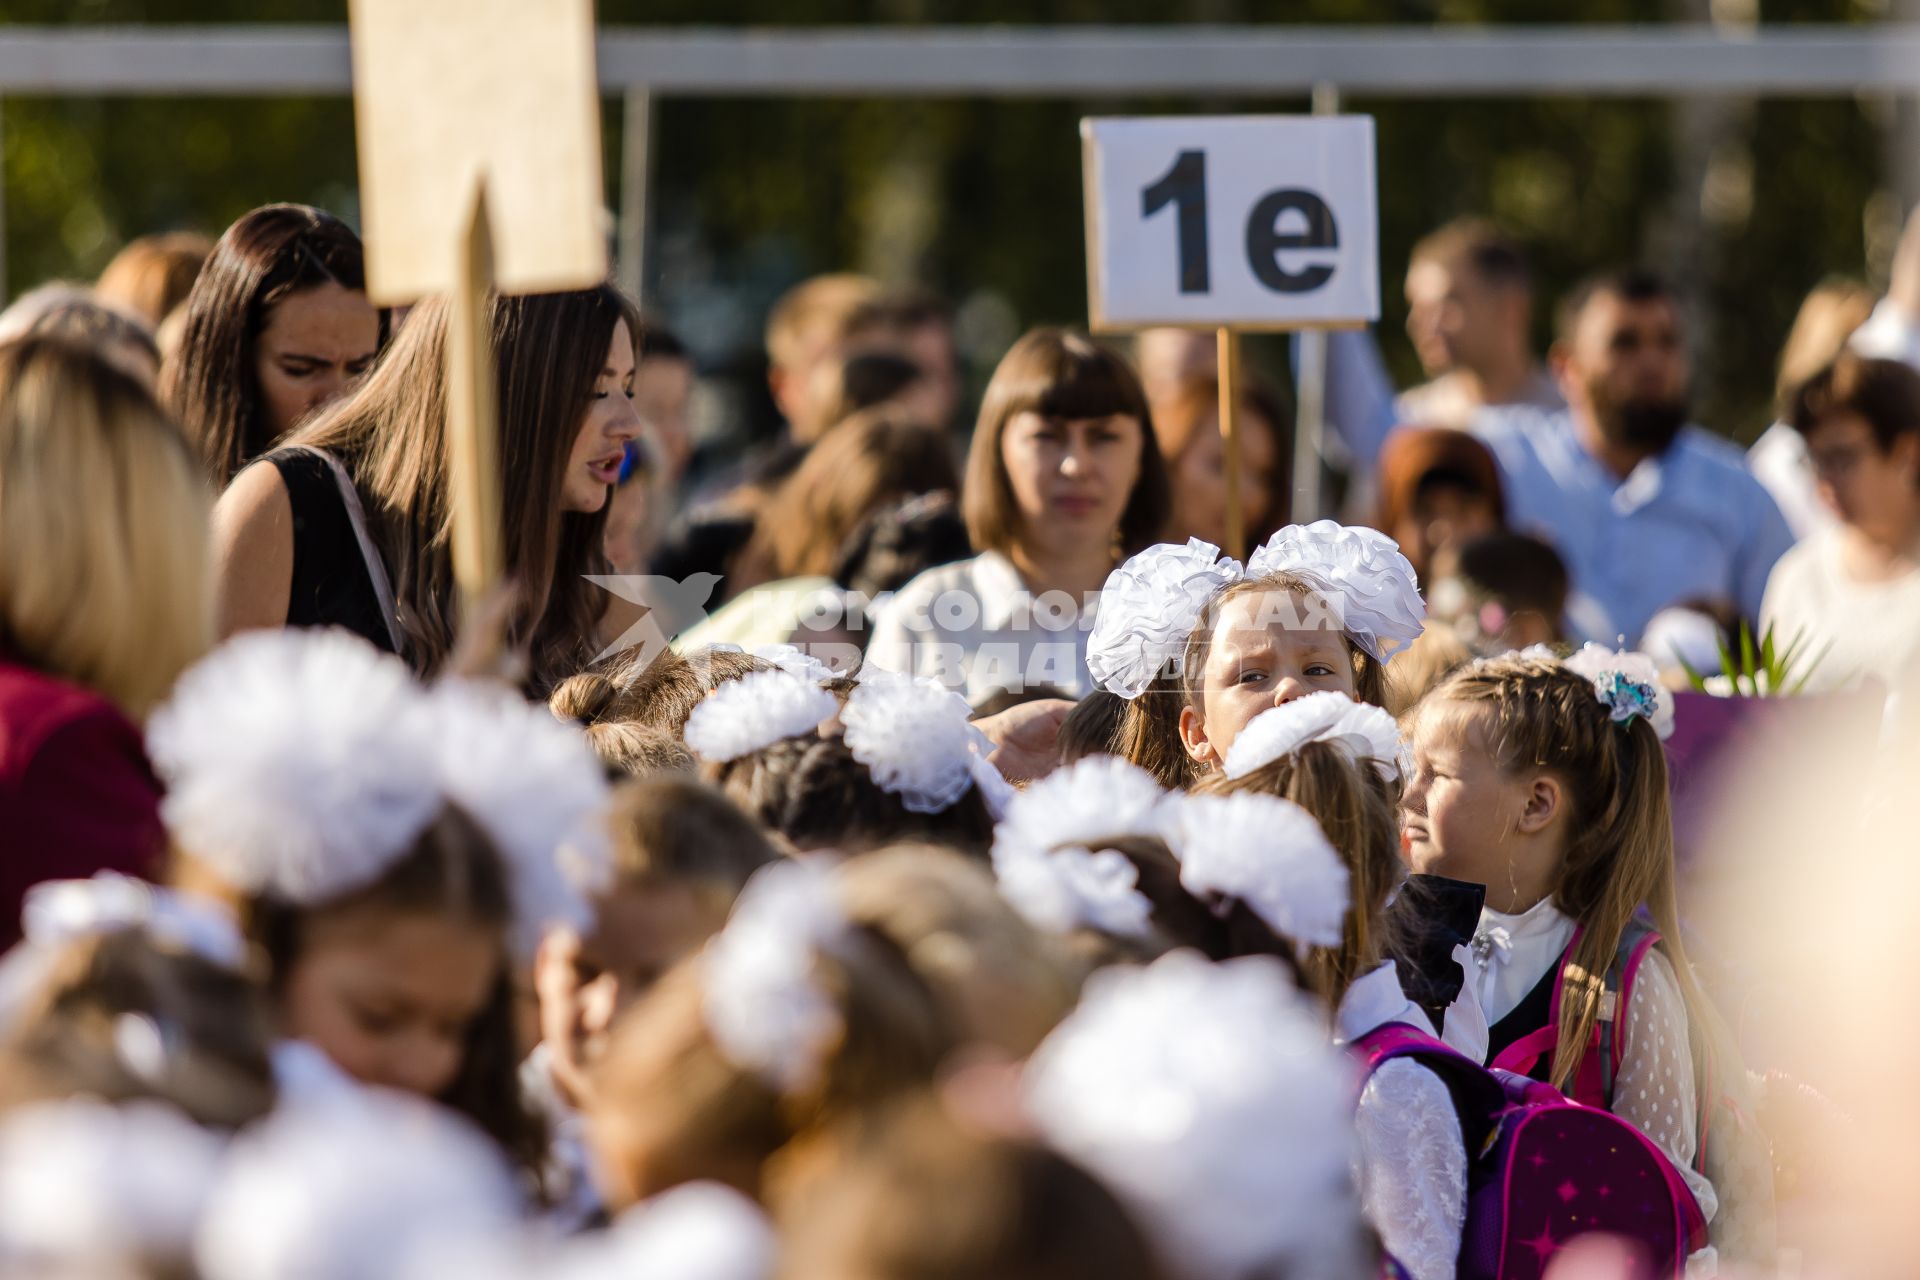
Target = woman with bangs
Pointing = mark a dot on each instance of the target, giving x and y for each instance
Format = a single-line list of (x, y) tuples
[(1064, 479)]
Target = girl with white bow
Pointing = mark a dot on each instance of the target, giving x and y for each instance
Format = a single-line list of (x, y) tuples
[(1545, 780), (1199, 644), (395, 854), (899, 760)]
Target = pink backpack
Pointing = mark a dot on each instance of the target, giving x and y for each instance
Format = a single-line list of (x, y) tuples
[(1544, 1170), (1731, 1151)]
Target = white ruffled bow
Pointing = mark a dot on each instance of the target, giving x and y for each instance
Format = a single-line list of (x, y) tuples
[(916, 739), (1627, 684), (1361, 730), (1270, 854), (755, 711), (763, 1005), (1152, 603)]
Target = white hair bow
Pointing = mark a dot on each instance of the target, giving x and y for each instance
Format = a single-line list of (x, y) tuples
[(1152, 603)]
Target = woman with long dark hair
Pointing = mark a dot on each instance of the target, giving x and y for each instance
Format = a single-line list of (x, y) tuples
[(350, 523), (277, 325)]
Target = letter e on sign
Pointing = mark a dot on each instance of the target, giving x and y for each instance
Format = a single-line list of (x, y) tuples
[(1243, 222)]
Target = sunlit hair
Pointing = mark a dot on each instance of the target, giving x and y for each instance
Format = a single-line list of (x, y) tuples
[(72, 313), (653, 691), (210, 1024), (211, 382), (1149, 732), (678, 1110), (998, 980), (629, 750), (452, 871), (680, 831), (811, 792), (152, 275), (1065, 376), (548, 350), (1357, 808), (1536, 715), (836, 306), (105, 568), (1828, 315), (916, 1194)]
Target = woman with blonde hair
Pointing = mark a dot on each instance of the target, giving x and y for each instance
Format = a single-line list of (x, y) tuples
[(104, 600)]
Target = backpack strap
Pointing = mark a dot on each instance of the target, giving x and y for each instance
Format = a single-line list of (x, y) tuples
[(1477, 1093), (1636, 941)]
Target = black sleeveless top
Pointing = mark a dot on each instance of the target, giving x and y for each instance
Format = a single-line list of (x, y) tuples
[(1530, 1015), (331, 586)]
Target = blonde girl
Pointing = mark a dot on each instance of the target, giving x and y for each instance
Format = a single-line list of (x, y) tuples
[(1546, 781)]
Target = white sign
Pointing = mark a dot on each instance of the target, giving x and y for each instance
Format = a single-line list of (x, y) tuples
[(448, 92), (1248, 222)]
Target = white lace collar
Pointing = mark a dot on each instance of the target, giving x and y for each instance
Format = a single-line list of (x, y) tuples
[(1374, 1000), (1512, 952), (1539, 919)]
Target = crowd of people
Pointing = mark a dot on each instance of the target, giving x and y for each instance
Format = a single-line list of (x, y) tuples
[(882, 853)]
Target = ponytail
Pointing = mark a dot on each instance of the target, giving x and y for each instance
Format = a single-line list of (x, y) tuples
[(1619, 855)]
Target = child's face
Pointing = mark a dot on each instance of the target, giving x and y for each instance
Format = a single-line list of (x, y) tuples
[(1269, 648), (1460, 811), (640, 931), (390, 997)]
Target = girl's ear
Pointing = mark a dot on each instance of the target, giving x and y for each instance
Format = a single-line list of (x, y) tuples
[(1543, 801), (1193, 736)]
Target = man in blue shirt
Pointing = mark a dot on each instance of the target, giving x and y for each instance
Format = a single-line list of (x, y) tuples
[(1646, 510)]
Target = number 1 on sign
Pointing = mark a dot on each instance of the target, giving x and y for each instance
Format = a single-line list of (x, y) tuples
[(1185, 187)]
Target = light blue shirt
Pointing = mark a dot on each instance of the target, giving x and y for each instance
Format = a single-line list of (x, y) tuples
[(1690, 525)]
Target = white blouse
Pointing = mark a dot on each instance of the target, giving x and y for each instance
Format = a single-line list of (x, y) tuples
[(1411, 1163), (976, 628), (1655, 1090)]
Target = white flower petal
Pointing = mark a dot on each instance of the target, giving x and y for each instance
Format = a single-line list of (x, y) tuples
[(536, 787), (298, 763), (762, 1003), (916, 739)]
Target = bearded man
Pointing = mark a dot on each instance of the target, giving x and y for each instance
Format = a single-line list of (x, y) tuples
[(1647, 510)]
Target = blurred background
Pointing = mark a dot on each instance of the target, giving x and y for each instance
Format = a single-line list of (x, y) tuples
[(1745, 203)]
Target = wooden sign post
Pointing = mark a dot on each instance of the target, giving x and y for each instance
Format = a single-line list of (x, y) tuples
[(478, 124), (1234, 224)]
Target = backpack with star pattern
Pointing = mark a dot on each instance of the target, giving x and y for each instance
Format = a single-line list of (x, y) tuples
[(1543, 1170)]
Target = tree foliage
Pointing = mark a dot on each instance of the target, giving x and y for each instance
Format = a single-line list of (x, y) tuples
[(981, 198)]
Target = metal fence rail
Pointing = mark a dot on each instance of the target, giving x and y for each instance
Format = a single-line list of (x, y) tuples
[(1655, 61)]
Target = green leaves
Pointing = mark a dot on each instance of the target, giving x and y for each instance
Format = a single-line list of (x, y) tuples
[(1759, 671)]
